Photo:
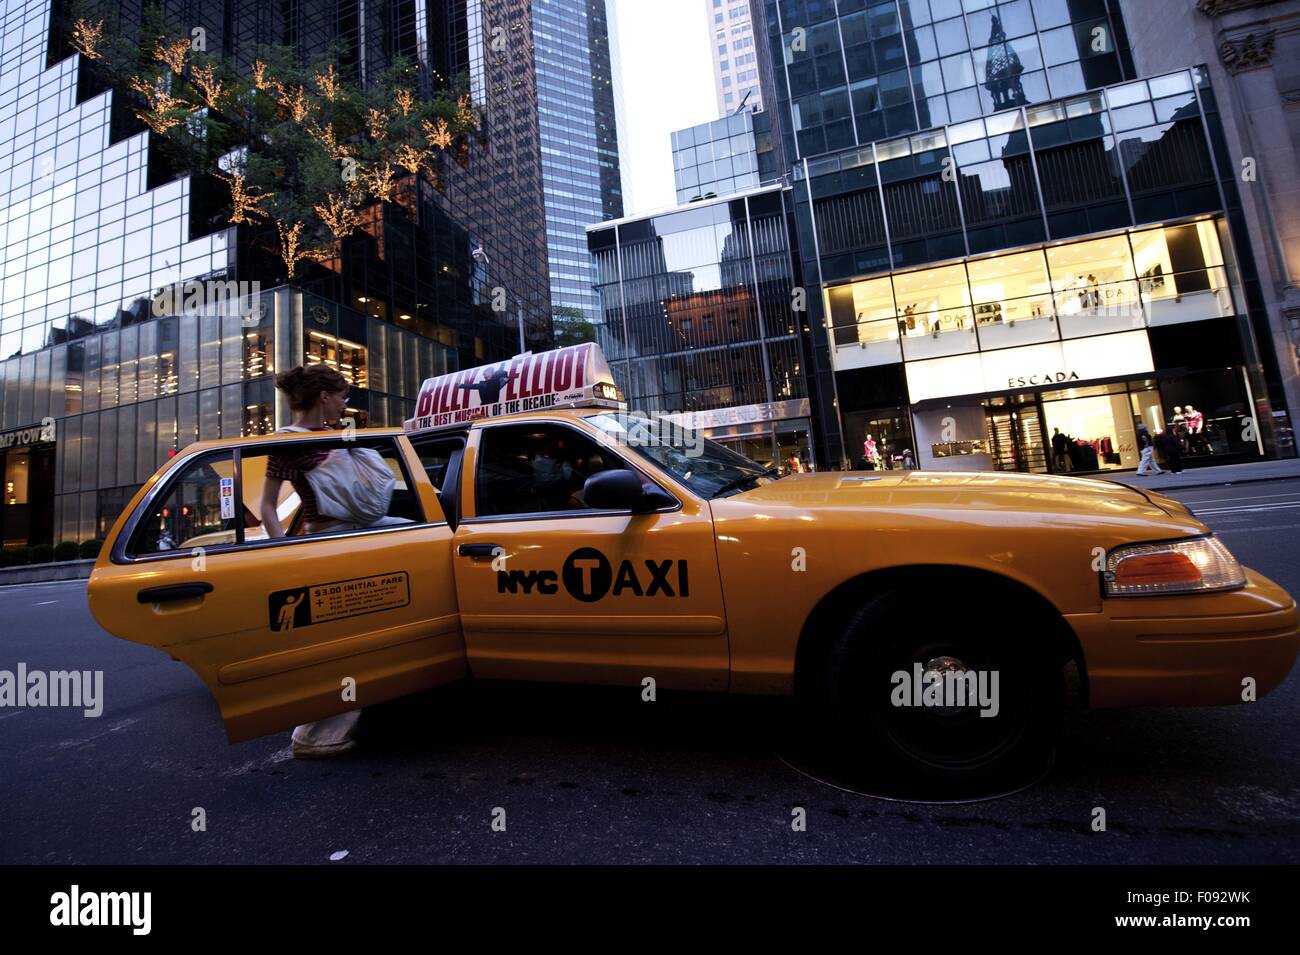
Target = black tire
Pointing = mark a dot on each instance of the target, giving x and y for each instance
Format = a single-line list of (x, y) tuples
[(878, 735)]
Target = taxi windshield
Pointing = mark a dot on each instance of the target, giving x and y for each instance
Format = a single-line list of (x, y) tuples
[(704, 466)]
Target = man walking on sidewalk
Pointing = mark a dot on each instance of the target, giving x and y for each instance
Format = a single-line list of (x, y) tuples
[(1147, 449)]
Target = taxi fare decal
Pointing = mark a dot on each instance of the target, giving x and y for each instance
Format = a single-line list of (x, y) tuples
[(588, 576), (319, 603)]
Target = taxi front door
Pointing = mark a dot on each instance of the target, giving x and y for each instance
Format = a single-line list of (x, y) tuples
[(552, 590), (286, 630)]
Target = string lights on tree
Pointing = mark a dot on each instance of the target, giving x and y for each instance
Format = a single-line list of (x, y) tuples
[(86, 35), (303, 147)]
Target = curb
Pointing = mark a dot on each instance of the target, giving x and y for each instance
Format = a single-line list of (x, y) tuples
[(51, 572), (1222, 482)]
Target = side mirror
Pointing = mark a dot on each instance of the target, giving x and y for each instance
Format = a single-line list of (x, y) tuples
[(621, 490)]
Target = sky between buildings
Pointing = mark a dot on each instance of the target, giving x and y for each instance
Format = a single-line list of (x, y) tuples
[(667, 85)]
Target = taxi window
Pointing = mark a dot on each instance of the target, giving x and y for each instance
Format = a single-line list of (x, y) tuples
[(191, 513), (435, 456), (296, 509), (203, 506), (536, 468)]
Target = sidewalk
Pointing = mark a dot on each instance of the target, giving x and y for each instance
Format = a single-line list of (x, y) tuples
[(1215, 476)]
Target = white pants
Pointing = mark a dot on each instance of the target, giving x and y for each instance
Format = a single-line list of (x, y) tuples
[(330, 731), (338, 729), (1148, 462)]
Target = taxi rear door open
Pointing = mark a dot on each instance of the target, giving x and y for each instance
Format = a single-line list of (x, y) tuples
[(286, 630)]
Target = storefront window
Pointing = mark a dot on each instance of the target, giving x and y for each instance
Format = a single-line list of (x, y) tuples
[(934, 314), (1092, 429), (1094, 287), (872, 303), (880, 440), (1181, 273), (1013, 300), (1208, 411), (794, 452)]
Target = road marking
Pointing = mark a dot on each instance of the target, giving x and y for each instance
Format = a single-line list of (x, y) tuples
[(1241, 497), (1248, 508), (1256, 530), (115, 728), (44, 603)]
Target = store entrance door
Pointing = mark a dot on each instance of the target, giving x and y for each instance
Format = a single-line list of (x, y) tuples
[(1016, 427)]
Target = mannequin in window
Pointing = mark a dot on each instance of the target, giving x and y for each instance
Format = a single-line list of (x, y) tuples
[(871, 453), (1178, 425), (1196, 431), (909, 316)]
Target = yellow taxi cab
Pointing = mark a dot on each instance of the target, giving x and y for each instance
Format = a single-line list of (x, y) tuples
[(539, 532)]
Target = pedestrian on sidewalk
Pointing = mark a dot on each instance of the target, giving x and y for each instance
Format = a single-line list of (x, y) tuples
[(1170, 447), (1147, 450)]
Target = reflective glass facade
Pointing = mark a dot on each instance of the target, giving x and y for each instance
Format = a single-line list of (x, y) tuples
[(101, 378), (854, 71), (579, 142), (697, 317), (1111, 158), (727, 155)]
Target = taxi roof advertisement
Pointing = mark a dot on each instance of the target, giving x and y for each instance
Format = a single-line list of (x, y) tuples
[(575, 375)]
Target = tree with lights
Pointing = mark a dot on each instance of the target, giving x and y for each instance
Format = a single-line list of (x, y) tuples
[(301, 148)]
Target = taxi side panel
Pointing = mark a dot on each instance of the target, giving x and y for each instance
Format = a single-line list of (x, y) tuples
[(779, 560)]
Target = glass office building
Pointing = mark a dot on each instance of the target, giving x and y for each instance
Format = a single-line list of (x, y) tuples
[(698, 322), (579, 144), (726, 155), (1014, 237), (103, 375)]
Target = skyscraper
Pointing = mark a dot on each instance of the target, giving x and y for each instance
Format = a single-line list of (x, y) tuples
[(735, 63), (579, 146), (97, 388)]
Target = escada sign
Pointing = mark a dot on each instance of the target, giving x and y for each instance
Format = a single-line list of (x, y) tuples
[(1046, 378)]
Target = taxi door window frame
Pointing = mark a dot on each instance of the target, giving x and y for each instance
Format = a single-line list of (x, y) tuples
[(448, 494), (592, 436), (158, 492)]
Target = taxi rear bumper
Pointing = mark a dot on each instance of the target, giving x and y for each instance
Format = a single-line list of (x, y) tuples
[(1189, 650)]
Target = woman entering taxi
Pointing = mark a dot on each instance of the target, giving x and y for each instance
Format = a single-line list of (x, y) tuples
[(318, 396)]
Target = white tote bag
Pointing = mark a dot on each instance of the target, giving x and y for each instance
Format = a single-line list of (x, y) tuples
[(352, 484)]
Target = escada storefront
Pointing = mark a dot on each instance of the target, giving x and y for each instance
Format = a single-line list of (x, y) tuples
[(1020, 290), (1045, 359)]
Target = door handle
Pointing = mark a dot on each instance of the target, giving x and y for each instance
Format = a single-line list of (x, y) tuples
[(477, 550), (157, 595)]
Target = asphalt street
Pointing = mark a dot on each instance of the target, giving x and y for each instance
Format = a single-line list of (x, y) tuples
[(595, 775)]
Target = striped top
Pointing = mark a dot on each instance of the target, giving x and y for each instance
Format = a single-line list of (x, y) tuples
[(292, 466)]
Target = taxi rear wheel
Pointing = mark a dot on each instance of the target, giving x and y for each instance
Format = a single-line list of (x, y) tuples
[(946, 691)]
